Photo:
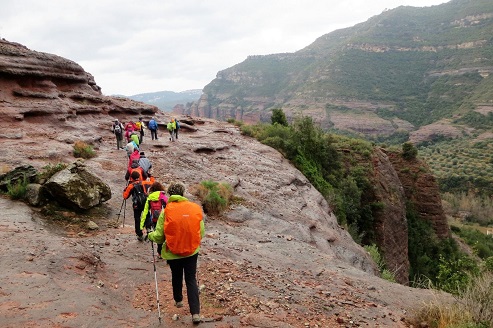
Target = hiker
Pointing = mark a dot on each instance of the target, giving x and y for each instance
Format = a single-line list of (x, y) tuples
[(145, 163), (135, 155), (171, 129), (135, 138), (117, 129), (130, 126), (177, 128), (131, 147), (155, 203), (127, 135), (153, 127), (140, 127), (138, 190), (135, 167), (181, 227)]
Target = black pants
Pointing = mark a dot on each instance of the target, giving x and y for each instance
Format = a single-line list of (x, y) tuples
[(153, 134), (141, 136), (137, 213), (119, 141), (187, 265)]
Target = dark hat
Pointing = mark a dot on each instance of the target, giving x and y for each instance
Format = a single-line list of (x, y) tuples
[(142, 153)]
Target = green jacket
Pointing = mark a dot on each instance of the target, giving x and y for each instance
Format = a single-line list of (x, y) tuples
[(152, 197), (135, 138), (157, 236)]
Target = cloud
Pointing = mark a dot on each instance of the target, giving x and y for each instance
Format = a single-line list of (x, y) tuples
[(134, 47)]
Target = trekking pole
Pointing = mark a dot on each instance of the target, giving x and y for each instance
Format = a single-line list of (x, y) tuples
[(155, 279), (118, 216), (124, 208)]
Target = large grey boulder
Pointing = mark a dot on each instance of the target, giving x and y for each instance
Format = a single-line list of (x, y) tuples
[(77, 188)]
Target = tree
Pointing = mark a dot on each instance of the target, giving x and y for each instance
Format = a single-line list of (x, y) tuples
[(409, 151), (279, 117)]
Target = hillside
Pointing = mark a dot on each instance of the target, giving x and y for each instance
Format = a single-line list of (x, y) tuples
[(383, 79), (277, 257)]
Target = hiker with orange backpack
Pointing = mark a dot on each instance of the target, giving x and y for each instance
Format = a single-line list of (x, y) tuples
[(155, 204), (181, 228), (138, 189)]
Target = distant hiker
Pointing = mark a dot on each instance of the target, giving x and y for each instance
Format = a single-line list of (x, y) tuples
[(117, 129), (138, 190), (177, 128), (127, 135), (171, 129), (153, 126), (181, 228), (145, 163), (130, 148), (135, 137), (130, 126), (134, 167), (155, 204), (140, 127)]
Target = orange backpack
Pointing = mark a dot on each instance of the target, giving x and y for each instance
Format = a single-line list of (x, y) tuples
[(182, 227)]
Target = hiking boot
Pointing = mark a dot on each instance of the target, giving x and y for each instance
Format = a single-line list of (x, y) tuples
[(196, 318), (140, 238), (179, 304)]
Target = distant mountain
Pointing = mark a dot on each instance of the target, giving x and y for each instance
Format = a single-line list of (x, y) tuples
[(166, 100), (385, 78)]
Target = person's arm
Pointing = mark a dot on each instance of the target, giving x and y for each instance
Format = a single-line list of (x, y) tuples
[(128, 191), (144, 214)]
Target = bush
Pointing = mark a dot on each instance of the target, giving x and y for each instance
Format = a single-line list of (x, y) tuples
[(474, 307), (215, 197), (279, 117), (49, 170), (409, 151), (18, 189), (83, 150), (378, 259)]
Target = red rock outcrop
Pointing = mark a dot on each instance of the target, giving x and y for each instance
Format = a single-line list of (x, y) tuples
[(37, 84)]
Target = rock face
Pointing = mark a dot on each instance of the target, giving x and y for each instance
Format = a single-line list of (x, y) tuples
[(390, 221), (75, 187), (34, 85), (421, 189)]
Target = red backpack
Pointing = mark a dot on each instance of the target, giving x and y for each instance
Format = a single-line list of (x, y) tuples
[(156, 206)]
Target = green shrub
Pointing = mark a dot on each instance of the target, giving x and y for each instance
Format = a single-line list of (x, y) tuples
[(409, 151), (83, 150), (279, 117), (215, 197), (18, 189), (49, 170), (378, 259)]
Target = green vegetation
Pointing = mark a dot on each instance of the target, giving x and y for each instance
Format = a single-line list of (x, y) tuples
[(83, 150), (18, 189), (215, 197), (377, 258), (473, 307), (279, 117), (49, 170), (461, 165)]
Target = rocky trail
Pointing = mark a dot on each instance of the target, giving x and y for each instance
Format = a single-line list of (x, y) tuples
[(276, 258)]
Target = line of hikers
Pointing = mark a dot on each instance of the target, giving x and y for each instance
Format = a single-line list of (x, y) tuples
[(134, 132), (174, 223)]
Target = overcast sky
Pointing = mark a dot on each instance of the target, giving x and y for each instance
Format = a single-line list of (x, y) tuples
[(133, 47)]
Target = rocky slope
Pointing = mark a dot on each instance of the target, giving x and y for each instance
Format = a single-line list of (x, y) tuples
[(275, 258)]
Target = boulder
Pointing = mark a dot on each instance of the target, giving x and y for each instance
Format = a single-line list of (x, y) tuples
[(34, 194), (18, 174), (77, 188)]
